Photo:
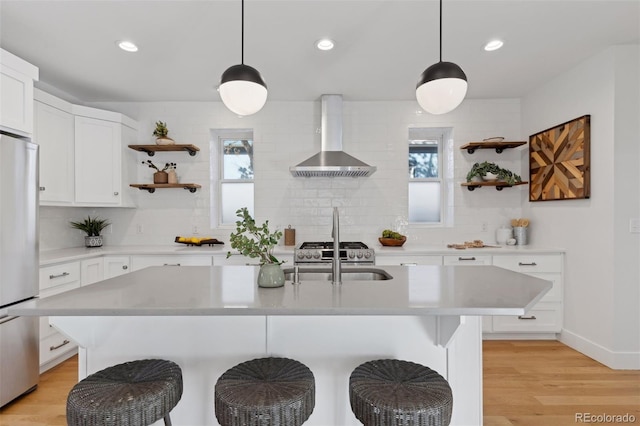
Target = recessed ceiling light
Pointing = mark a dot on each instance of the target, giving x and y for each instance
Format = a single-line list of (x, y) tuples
[(127, 46), (493, 45), (325, 44)]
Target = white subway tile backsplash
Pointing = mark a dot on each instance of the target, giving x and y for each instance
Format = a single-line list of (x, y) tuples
[(286, 133)]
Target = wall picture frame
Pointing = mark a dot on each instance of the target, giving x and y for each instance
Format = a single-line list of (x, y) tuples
[(560, 161)]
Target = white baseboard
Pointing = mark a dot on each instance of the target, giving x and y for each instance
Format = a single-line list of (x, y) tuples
[(519, 336), (614, 360)]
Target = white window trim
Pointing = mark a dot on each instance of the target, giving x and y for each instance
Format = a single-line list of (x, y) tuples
[(445, 174), (216, 176)]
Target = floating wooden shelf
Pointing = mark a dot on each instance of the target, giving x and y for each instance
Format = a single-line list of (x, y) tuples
[(498, 146), (499, 185), (152, 149), (191, 187)]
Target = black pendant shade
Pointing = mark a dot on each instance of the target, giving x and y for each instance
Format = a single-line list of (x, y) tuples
[(242, 72), (441, 70)]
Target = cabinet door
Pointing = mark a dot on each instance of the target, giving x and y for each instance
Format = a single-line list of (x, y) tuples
[(116, 265), (53, 132), (16, 101), (97, 160), (91, 271)]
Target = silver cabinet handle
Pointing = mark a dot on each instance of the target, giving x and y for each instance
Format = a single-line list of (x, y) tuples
[(527, 264), (522, 317), (125, 267), (467, 258), (64, 274), (409, 264), (42, 188), (115, 193), (64, 342), (171, 264)]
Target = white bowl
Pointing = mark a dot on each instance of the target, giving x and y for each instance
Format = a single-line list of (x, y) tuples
[(490, 177)]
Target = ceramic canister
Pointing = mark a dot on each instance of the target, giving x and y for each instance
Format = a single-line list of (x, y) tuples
[(503, 235)]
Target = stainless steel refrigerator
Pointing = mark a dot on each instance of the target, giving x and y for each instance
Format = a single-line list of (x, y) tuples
[(19, 354)]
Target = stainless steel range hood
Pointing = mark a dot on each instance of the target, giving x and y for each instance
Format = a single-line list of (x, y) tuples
[(332, 161)]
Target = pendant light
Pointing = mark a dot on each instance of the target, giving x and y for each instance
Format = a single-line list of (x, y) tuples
[(442, 86), (242, 88)]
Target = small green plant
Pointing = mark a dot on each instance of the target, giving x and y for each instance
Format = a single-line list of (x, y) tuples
[(153, 166), (92, 227), (161, 130), (481, 169), (254, 241)]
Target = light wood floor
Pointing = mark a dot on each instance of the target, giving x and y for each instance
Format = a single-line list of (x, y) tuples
[(526, 383)]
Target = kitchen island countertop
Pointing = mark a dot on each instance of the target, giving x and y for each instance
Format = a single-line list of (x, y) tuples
[(232, 290)]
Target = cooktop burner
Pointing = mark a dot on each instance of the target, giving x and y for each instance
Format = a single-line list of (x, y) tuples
[(329, 245)]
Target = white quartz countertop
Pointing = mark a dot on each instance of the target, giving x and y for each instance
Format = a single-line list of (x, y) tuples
[(232, 290), (49, 257)]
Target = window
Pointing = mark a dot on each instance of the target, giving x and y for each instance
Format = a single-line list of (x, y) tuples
[(428, 170), (235, 151)]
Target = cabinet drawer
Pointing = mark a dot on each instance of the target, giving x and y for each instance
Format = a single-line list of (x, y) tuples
[(467, 260), (530, 263), (46, 329), (59, 289), (408, 260), (140, 262), (55, 275), (53, 346), (540, 319)]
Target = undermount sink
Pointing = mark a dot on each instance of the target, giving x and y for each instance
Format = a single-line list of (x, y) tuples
[(348, 274)]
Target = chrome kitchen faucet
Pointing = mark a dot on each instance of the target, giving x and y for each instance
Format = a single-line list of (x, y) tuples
[(335, 233)]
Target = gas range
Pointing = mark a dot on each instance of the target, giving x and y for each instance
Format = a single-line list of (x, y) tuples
[(351, 253)]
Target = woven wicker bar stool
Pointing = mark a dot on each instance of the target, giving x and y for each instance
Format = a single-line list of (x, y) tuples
[(265, 392), (390, 392), (136, 393)]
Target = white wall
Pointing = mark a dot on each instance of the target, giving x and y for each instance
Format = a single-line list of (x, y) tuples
[(602, 279), (285, 134)]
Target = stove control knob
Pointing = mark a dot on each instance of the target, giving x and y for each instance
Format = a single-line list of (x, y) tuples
[(316, 255), (359, 255), (307, 255), (367, 254), (352, 254)]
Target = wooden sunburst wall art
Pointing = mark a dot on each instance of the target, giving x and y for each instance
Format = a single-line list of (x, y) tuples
[(559, 162)]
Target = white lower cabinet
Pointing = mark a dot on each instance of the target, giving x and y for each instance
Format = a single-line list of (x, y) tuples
[(141, 262), (238, 259), (545, 318), (91, 271), (116, 265), (408, 260), (55, 279)]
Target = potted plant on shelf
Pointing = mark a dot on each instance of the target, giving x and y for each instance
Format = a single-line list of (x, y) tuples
[(256, 241), (492, 172), (160, 176), (93, 228), (161, 133)]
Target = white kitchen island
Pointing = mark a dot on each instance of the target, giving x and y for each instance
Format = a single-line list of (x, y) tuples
[(208, 319)]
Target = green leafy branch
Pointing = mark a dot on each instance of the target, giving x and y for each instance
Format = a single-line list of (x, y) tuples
[(481, 169), (254, 241)]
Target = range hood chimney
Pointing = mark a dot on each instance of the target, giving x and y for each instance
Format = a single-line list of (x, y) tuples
[(332, 161)]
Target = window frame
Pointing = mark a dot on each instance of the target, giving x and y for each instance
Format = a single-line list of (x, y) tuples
[(443, 136)]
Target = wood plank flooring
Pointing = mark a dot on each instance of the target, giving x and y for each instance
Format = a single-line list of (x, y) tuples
[(533, 383), (526, 383)]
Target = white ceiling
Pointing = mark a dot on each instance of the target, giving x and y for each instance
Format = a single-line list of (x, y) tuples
[(382, 47)]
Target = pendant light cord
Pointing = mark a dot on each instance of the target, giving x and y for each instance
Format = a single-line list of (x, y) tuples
[(440, 30), (242, 37)]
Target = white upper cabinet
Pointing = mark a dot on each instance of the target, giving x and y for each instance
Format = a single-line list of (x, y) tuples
[(16, 95), (102, 165), (54, 132)]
